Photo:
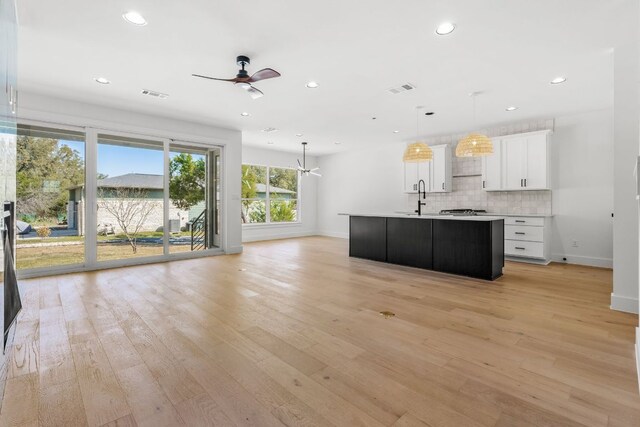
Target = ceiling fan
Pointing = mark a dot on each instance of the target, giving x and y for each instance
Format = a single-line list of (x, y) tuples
[(243, 79), (302, 167)]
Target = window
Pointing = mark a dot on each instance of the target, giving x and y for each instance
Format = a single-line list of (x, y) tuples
[(269, 195)]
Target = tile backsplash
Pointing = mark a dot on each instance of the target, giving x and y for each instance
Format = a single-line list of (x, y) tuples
[(467, 182)]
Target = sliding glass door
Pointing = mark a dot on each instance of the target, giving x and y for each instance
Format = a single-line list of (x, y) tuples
[(194, 197), (50, 208), (130, 197), (89, 198)]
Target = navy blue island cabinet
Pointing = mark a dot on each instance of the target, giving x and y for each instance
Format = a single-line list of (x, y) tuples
[(470, 246)]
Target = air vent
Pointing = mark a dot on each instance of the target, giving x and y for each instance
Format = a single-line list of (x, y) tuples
[(154, 94), (269, 130), (402, 88)]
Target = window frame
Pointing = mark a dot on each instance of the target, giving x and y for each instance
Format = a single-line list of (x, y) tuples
[(267, 199)]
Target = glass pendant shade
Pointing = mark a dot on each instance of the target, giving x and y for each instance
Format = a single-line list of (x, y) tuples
[(474, 145), (417, 152)]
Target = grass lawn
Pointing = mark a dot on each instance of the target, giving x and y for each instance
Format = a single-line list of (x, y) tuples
[(48, 256)]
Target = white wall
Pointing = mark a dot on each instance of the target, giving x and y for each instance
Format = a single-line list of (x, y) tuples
[(582, 197), (307, 198), (60, 111), (355, 181), (582, 167)]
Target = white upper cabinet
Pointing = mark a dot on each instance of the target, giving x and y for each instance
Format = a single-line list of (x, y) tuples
[(515, 162), (519, 162), (492, 168), (537, 176), (441, 176), (413, 173)]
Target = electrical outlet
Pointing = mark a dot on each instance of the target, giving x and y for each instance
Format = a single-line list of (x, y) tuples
[(574, 243)]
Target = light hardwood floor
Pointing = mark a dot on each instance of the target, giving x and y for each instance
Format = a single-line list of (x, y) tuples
[(289, 332)]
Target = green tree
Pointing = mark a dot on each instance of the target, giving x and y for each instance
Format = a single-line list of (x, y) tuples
[(283, 211), (187, 180), (45, 170)]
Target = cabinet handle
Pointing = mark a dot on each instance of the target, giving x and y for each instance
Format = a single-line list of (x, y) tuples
[(521, 182), (518, 247), (519, 232), (525, 182), (520, 220), (483, 181), (443, 185)]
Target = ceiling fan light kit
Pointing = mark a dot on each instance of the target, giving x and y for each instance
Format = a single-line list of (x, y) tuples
[(243, 80), (302, 167)]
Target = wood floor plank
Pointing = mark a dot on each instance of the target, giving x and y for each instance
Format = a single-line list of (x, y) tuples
[(289, 333), (61, 405), (148, 403)]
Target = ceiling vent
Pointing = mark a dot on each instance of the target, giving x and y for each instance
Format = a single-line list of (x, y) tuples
[(154, 94), (402, 88), (269, 130)]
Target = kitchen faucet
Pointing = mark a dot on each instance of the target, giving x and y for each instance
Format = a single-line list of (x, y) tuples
[(423, 194)]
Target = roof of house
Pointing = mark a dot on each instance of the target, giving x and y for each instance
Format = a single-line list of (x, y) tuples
[(133, 180), (155, 182)]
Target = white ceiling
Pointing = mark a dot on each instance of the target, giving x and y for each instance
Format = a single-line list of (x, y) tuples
[(355, 50)]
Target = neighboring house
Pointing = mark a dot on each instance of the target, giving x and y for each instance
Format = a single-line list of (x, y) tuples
[(154, 188), (108, 188)]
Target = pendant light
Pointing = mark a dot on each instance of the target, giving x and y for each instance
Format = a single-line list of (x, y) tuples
[(417, 152), (475, 144)]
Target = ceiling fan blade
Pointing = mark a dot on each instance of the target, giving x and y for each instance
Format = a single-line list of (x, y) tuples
[(314, 169), (265, 73), (213, 78), (255, 93), (315, 173)]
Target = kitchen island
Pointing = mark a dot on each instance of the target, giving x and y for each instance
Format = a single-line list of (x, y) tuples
[(465, 245)]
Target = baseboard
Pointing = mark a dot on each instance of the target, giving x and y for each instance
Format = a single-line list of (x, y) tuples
[(626, 304), (584, 260), (277, 236), (333, 234), (234, 250)]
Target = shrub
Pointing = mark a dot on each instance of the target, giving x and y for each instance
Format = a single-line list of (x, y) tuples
[(43, 232)]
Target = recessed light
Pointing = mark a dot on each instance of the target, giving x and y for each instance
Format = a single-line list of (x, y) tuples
[(512, 108), (298, 135), (270, 142), (558, 80), (445, 28), (134, 18), (312, 84), (337, 142), (396, 131), (244, 114), (269, 129), (102, 80)]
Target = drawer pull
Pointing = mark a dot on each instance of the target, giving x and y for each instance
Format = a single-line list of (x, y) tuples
[(519, 232), (521, 220), (518, 247)]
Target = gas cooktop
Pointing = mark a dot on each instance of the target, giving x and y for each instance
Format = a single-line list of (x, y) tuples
[(462, 211)]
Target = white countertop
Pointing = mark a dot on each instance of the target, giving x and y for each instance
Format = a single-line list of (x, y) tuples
[(429, 216), (519, 215)]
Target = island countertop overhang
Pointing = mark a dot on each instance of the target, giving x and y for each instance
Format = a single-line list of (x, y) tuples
[(428, 216)]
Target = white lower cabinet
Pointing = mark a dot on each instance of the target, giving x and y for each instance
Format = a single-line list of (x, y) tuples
[(527, 238)]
